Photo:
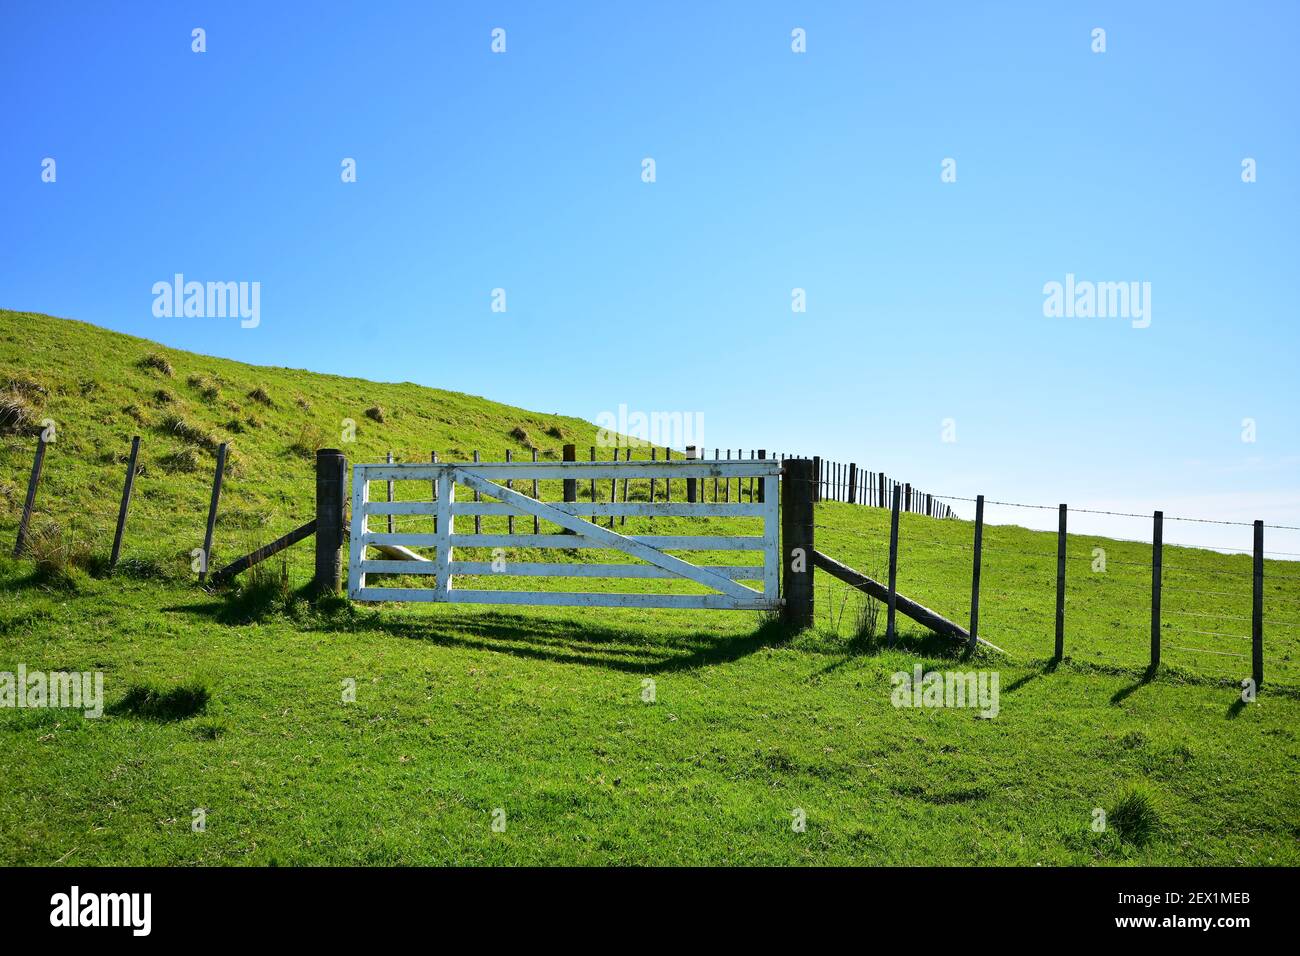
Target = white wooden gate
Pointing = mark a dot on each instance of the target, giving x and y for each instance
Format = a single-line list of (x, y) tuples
[(489, 479)]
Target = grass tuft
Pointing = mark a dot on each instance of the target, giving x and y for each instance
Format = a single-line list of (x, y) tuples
[(308, 440), (155, 362), (1135, 817), (182, 428), (153, 703), (261, 396), (182, 462), (16, 413), (205, 386), (57, 554), (375, 414)]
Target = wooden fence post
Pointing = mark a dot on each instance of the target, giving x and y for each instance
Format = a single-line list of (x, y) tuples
[(1157, 570), (797, 484), (613, 486), (975, 573), (627, 456), (478, 519), (690, 482), (125, 506), (893, 565), (593, 481), (762, 491), (570, 484), (510, 484), (388, 487), (212, 510), (853, 483), (817, 478), (537, 496), (1257, 610), (331, 488), (880, 492), (433, 460), (716, 456), (1059, 652), (907, 495), (668, 482), (32, 482)]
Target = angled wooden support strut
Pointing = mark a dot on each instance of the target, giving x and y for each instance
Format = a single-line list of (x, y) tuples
[(264, 552), (918, 612)]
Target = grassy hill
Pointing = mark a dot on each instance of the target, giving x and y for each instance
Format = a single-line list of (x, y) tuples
[(233, 704), (101, 387)]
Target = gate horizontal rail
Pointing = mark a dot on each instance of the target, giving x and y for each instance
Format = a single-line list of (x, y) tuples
[(576, 533)]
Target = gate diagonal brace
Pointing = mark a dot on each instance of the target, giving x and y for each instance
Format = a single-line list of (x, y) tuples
[(603, 537)]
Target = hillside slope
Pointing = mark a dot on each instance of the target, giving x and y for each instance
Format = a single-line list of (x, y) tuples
[(99, 389)]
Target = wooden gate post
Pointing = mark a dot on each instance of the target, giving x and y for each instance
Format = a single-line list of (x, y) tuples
[(1257, 610), (853, 483), (32, 482), (797, 488), (1060, 585), (1157, 570), (331, 485), (212, 510), (126, 503), (893, 565), (975, 573)]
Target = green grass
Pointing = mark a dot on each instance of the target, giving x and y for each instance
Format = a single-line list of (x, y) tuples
[(234, 702)]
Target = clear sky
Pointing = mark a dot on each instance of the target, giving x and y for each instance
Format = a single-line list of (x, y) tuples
[(774, 170)]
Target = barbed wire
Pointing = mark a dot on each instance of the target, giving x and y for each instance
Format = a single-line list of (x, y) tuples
[(1203, 650), (1192, 630), (1115, 514)]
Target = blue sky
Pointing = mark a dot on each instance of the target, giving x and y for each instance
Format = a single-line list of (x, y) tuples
[(774, 170)]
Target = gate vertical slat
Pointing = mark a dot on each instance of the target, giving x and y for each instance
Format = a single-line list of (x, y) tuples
[(356, 547), (772, 538), (446, 527)]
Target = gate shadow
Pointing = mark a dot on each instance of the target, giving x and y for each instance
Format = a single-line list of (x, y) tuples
[(562, 640), (568, 641)]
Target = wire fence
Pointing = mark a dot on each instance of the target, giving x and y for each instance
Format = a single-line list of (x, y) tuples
[(1117, 601)]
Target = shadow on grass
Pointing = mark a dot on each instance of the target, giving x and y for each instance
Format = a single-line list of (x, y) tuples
[(251, 602), (925, 645), (1124, 693), (566, 640)]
